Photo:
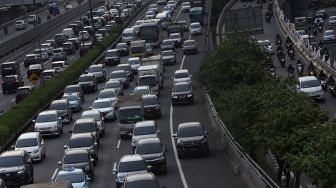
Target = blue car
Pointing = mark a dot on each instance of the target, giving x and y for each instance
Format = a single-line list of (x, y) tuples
[(75, 176), (75, 102)]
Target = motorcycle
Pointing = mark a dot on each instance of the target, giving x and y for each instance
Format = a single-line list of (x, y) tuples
[(282, 62), (314, 31), (291, 54), (299, 69), (324, 84), (320, 28), (291, 75), (333, 90), (278, 42), (272, 71), (311, 73), (268, 19)]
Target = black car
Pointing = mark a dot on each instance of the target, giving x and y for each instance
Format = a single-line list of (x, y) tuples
[(23, 92), (69, 48), (63, 108), (75, 27), (74, 89), (83, 141), (182, 92), (11, 83), (34, 69), (78, 159), (152, 108), (123, 49), (31, 59), (112, 57), (154, 153), (10, 68), (127, 68), (191, 138), (147, 180), (16, 168), (88, 83)]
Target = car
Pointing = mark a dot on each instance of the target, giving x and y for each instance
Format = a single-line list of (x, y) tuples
[(135, 64), (31, 59), (318, 21), (182, 76), (32, 18), (172, 3), (59, 66), (34, 69), (33, 144), (182, 92), (16, 168), (154, 7), (177, 38), (63, 108), (109, 94), (152, 107), (59, 54), (141, 180), (321, 14), (129, 164), (112, 57), (186, 7), (20, 25), (167, 44), (87, 125), (123, 48), (42, 54), (10, 68), (69, 48), (149, 15), (83, 35), (144, 129), (116, 85), (162, 2), (153, 151), (83, 141), (105, 107), (169, 9), (191, 138), (96, 115), (74, 90), (102, 31), (88, 83), (98, 71), (77, 177), (80, 159), (60, 38), (11, 83), (266, 45), (52, 42), (120, 76), (329, 36), (149, 49), (48, 74), (311, 86), (332, 20), (189, 47), (142, 90), (48, 47), (168, 57), (127, 68), (99, 37), (75, 42), (195, 28), (75, 102), (89, 29), (23, 92)]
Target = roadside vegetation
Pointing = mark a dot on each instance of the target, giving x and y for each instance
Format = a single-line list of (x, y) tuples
[(265, 113)]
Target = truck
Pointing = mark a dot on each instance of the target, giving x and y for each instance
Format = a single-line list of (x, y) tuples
[(196, 15), (151, 76), (138, 48), (175, 27), (10, 68), (130, 111)]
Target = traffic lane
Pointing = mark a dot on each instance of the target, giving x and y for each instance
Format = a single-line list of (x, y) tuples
[(13, 33)]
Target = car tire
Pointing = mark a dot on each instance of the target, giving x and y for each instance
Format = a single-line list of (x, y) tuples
[(179, 155)]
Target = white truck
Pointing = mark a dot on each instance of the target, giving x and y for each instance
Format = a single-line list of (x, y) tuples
[(151, 76), (155, 60)]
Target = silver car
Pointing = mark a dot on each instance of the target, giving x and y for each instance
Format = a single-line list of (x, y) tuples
[(48, 123), (116, 85), (98, 71), (105, 107)]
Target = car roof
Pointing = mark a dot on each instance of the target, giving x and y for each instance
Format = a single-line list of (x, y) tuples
[(59, 101), (152, 140), (147, 123), (140, 177), (10, 153), (75, 85), (190, 40), (56, 62), (189, 124), (107, 90), (73, 171), (307, 78), (29, 55), (81, 135), (35, 66), (102, 100), (97, 65), (75, 151), (134, 58), (8, 63), (149, 96), (85, 120), (124, 65), (117, 71), (181, 83), (88, 74), (112, 50), (142, 87), (182, 71), (29, 135), (89, 112), (12, 76), (25, 87), (132, 157), (47, 112)]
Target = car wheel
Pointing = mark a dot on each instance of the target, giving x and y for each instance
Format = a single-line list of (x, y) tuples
[(179, 155)]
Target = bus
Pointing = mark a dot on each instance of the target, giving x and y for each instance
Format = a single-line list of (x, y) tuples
[(196, 15), (150, 31)]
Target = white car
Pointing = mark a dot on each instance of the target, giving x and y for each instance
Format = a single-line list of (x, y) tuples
[(114, 12), (144, 129), (47, 47), (142, 90), (150, 15), (59, 66), (186, 6), (135, 63), (83, 35), (96, 115), (48, 123), (298, 33), (33, 144), (32, 18), (266, 45), (182, 76), (172, 3), (42, 53), (332, 20), (105, 107), (329, 36), (311, 86), (20, 25), (195, 28), (109, 94)]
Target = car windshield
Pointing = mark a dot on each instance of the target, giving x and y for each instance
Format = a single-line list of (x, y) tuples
[(11, 161), (46, 118), (113, 85), (147, 81), (168, 53), (76, 158), (85, 79), (71, 177), (57, 106), (123, 67), (57, 65), (167, 42), (137, 49), (95, 116), (144, 130), (149, 101), (101, 104), (112, 54), (80, 142), (190, 131), (310, 83), (57, 51), (134, 62), (195, 26), (131, 166), (9, 79), (83, 128), (141, 91), (25, 91), (127, 34), (28, 142), (175, 36), (143, 183), (148, 148), (329, 33), (121, 45), (129, 115), (71, 89), (71, 97), (181, 75), (181, 88), (94, 69), (189, 43), (118, 75), (107, 94)]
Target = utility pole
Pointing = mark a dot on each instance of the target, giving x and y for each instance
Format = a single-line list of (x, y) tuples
[(91, 19)]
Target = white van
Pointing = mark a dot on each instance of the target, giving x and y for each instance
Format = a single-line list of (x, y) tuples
[(163, 16), (310, 86), (128, 35), (68, 32)]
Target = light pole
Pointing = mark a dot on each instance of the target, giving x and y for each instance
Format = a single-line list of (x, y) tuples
[(91, 19), (80, 19)]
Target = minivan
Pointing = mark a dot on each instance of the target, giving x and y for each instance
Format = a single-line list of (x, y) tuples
[(128, 35)]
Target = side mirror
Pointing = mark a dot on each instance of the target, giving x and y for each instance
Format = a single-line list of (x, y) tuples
[(149, 167), (114, 171), (66, 147), (297, 86), (33, 120), (12, 147), (88, 178), (70, 131), (59, 118), (59, 163), (174, 136), (92, 160)]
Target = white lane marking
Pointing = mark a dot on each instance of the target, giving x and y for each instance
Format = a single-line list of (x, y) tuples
[(54, 174), (114, 167), (118, 144), (181, 66), (24, 76), (12, 100), (71, 58), (185, 185), (178, 14)]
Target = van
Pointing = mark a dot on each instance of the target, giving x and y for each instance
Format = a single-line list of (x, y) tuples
[(163, 16), (69, 32), (128, 35), (10, 68), (310, 86)]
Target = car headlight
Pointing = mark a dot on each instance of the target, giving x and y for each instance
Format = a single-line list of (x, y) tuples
[(120, 179), (174, 96), (36, 151), (189, 95), (204, 141), (21, 171)]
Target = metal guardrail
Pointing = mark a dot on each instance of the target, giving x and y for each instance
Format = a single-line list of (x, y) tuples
[(28, 124)]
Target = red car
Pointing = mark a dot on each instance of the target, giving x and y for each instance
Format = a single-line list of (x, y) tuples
[(189, 47)]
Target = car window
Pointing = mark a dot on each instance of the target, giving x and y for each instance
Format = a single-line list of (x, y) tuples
[(80, 142), (28, 142), (95, 116), (149, 101), (310, 83), (143, 183), (181, 75), (11, 161), (148, 148), (181, 88), (106, 94), (118, 74), (147, 81), (85, 78), (46, 118), (131, 166), (72, 89), (72, 178), (144, 130), (101, 104), (76, 158), (168, 53), (95, 69), (25, 91), (58, 106), (190, 132), (113, 85), (83, 128)]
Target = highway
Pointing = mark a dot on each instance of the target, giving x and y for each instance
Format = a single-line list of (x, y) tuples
[(11, 28), (211, 171)]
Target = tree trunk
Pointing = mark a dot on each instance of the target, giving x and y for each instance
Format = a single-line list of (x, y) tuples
[(297, 182), (281, 166), (287, 175)]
